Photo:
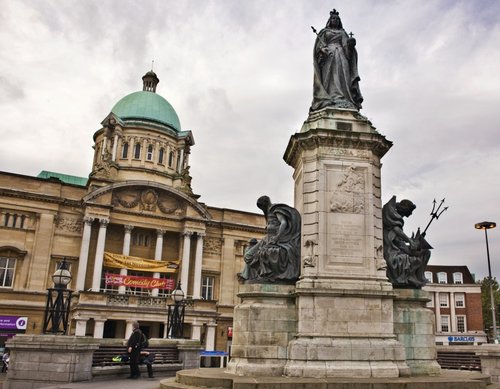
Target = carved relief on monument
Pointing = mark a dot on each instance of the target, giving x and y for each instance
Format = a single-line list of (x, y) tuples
[(348, 196), (147, 199), (68, 224), (212, 246)]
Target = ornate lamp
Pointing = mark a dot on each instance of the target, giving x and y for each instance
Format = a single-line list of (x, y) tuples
[(487, 226), (175, 323), (58, 302)]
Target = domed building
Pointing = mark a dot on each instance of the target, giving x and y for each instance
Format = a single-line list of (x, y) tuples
[(129, 233)]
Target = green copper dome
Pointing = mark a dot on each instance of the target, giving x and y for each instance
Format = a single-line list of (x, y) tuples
[(148, 106)]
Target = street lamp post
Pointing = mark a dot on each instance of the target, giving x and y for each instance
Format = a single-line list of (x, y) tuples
[(175, 323), (58, 302), (486, 226)]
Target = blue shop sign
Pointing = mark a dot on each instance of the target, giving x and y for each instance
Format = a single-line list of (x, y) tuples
[(461, 339)]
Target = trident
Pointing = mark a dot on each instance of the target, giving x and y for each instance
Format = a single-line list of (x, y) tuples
[(435, 213)]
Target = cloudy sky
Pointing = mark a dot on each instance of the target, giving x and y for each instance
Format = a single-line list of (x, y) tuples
[(239, 74)]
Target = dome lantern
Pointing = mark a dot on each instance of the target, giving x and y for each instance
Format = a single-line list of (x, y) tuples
[(150, 80)]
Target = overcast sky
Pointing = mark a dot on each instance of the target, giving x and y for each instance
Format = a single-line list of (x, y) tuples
[(239, 74)]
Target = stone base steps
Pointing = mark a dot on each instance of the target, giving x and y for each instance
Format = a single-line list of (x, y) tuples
[(218, 379)]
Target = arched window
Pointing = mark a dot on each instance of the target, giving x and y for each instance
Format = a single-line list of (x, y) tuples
[(125, 150), (137, 151), (171, 159), (149, 154), (160, 155)]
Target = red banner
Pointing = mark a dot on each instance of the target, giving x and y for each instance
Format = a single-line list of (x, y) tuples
[(140, 282)]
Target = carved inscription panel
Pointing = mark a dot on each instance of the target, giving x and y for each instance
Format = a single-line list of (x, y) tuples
[(346, 239)]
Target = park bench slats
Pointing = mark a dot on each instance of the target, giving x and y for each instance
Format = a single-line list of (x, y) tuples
[(104, 355)]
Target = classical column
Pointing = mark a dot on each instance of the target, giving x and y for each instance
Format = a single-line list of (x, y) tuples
[(81, 326), (125, 251), (158, 254), (197, 266), (99, 328), (185, 261), (210, 336), (84, 253), (99, 255), (453, 317), (115, 147), (181, 161), (196, 330)]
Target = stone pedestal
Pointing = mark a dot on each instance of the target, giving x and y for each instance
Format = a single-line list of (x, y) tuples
[(344, 300), (414, 327), (40, 360), (264, 323)]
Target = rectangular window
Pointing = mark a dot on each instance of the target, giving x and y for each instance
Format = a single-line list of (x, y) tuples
[(458, 278), (430, 304), (459, 300), (428, 276), (7, 266), (442, 279), (207, 288), (139, 239), (445, 323), (461, 324), (444, 300)]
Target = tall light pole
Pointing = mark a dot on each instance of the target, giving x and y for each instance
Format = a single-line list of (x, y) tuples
[(486, 226)]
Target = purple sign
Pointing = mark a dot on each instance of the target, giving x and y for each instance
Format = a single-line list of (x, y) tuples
[(13, 322)]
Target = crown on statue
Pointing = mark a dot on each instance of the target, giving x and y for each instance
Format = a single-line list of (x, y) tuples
[(334, 12)]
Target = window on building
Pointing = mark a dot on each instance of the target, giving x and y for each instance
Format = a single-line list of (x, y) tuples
[(460, 300), (171, 159), (428, 276), (108, 288), (164, 292), (207, 288), (140, 239), (125, 150), (444, 300), (149, 154), (137, 151), (430, 303), (7, 267), (445, 323), (461, 327), (161, 155), (458, 278), (442, 278)]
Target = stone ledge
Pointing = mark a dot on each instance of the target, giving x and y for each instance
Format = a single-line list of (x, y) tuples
[(220, 378)]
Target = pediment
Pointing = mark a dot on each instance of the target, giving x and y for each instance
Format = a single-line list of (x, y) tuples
[(145, 197)]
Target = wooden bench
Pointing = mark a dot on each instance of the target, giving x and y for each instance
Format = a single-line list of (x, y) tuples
[(104, 355), (459, 360)]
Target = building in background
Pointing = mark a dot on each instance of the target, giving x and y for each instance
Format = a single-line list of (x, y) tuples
[(456, 302), (129, 231)]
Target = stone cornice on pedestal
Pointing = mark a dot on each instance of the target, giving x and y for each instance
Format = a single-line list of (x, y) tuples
[(336, 128)]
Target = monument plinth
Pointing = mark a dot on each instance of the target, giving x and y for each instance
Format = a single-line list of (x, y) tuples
[(345, 303)]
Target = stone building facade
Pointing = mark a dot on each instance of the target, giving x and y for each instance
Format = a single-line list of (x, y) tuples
[(456, 302), (134, 221)]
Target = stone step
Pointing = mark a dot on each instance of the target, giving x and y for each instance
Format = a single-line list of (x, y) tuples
[(172, 384)]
